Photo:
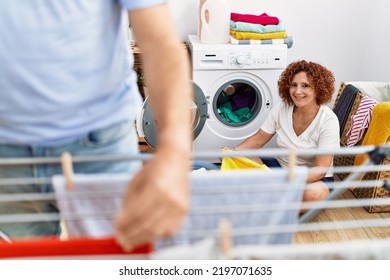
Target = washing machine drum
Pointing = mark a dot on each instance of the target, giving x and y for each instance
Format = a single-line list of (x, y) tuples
[(146, 124)]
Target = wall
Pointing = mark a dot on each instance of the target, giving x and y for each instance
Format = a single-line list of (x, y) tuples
[(375, 59), (349, 37)]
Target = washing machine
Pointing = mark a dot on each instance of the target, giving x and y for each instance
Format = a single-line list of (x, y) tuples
[(235, 87), (239, 84)]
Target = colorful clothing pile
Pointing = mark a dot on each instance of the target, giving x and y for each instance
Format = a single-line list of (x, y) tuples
[(258, 29)]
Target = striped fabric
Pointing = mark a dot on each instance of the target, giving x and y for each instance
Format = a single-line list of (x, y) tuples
[(360, 120), (289, 41)]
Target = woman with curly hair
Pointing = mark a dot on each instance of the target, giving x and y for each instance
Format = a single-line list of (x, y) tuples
[(302, 120)]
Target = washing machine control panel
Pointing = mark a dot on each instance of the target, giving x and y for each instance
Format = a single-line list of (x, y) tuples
[(257, 60)]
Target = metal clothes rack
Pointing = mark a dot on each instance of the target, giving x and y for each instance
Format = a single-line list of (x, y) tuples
[(300, 224)]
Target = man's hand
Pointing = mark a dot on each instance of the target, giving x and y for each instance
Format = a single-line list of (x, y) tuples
[(156, 201), (157, 198)]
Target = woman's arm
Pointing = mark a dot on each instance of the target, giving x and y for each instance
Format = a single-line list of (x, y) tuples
[(324, 161), (254, 142)]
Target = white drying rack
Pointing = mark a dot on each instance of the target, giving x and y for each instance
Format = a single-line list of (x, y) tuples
[(225, 234)]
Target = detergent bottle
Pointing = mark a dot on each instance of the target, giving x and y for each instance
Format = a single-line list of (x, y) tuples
[(214, 22)]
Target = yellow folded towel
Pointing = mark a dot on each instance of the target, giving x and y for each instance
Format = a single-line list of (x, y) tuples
[(241, 163), (241, 35), (378, 132)]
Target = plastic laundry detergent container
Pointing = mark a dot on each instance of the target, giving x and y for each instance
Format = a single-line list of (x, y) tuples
[(214, 28)]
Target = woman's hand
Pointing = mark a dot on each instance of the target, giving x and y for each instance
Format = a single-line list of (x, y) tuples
[(227, 149)]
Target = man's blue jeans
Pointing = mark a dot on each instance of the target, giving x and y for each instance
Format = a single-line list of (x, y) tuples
[(114, 140)]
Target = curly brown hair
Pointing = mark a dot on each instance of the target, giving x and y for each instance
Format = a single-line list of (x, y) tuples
[(320, 78)]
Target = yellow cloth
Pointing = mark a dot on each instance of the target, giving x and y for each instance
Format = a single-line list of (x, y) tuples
[(378, 132), (241, 35), (241, 163)]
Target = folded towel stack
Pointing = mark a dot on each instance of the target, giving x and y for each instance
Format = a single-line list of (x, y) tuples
[(258, 29)]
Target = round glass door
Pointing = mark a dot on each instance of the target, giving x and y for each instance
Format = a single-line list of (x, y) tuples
[(237, 102)]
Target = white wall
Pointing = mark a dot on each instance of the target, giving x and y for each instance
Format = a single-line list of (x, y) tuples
[(351, 38), (375, 60)]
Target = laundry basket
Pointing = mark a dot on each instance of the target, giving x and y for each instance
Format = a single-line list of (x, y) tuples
[(346, 160), (381, 92)]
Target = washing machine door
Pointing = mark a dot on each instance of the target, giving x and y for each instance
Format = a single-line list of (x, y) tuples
[(146, 124)]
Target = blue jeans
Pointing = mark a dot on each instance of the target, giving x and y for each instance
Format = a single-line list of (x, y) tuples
[(197, 164), (117, 139)]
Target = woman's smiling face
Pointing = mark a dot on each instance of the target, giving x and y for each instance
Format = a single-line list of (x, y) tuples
[(301, 91)]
